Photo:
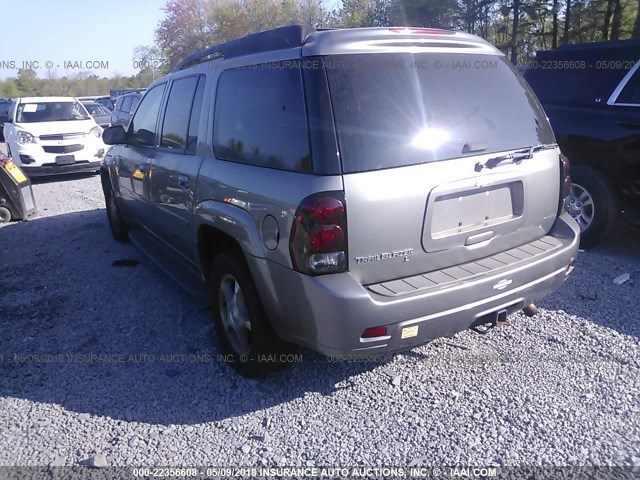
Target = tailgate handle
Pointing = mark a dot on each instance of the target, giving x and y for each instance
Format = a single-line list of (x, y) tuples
[(480, 237)]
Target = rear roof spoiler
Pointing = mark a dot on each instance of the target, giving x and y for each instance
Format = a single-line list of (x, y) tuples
[(277, 39)]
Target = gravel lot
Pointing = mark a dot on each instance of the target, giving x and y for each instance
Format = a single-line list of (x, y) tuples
[(558, 389)]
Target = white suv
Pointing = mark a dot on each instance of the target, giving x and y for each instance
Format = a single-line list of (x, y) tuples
[(51, 135)]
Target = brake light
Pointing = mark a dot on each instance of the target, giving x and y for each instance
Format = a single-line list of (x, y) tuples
[(421, 31), (318, 242), (565, 183)]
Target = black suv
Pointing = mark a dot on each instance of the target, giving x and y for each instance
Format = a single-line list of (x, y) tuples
[(5, 108), (591, 93)]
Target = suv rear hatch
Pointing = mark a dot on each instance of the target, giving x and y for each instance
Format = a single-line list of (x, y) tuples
[(425, 142)]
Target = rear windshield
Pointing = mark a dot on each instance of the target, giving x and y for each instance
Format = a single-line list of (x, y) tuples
[(50, 112), (96, 109), (4, 108), (402, 109)]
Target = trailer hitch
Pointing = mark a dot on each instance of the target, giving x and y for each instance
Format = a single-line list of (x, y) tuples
[(489, 322)]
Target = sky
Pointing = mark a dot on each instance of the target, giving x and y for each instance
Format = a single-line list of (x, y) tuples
[(76, 34)]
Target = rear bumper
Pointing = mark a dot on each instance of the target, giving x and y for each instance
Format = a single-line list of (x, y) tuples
[(329, 313), (61, 169)]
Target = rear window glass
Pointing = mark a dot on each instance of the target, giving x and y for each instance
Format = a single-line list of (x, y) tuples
[(405, 109), (260, 117), (580, 74), (4, 108), (631, 92)]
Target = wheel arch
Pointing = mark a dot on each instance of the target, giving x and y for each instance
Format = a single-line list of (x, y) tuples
[(584, 152), (221, 227)]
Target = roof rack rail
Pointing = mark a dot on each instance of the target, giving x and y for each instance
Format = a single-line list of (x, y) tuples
[(277, 39)]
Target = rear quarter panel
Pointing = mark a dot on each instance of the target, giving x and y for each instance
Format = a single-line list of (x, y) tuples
[(237, 198)]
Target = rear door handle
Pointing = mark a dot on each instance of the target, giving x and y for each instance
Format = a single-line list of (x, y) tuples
[(184, 181)]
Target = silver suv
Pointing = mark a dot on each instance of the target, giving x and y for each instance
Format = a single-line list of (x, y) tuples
[(355, 191), (124, 107)]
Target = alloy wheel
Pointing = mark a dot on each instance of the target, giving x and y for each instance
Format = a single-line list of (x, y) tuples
[(234, 314), (581, 206)]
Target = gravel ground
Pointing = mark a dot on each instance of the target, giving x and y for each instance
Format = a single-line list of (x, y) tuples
[(558, 389)]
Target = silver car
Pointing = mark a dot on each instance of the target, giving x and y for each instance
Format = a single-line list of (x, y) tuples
[(124, 107), (357, 191)]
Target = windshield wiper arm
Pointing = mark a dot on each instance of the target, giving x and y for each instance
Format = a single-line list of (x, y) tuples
[(515, 157)]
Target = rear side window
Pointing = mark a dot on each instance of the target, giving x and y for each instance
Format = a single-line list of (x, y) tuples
[(260, 117), (144, 123), (178, 116), (394, 110), (135, 100), (630, 94), (194, 122), (125, 106)]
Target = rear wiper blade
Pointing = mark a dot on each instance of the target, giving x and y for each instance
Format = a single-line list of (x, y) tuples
[(515, 157)]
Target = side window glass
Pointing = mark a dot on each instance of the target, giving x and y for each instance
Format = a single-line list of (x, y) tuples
[(194, 122), (135, 100), (125, 105), (631, 91), (176, 117), (144, 122), (260, 117)]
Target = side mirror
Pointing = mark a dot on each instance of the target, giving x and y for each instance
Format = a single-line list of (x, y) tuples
[(114, 135)]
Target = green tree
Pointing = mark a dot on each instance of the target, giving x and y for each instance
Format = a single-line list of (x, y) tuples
[(184, 30), (425, 13), (28, 82), (9, 88)]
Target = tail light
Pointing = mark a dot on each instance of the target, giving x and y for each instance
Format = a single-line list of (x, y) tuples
[(565, 183), (318, 242)]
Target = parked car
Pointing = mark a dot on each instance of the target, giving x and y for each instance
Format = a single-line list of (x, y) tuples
[(87, 99), (100, 113), (52, 135), (116, 92), (124, 108), (5, 107), (591, 93), (334, 191), (107, 102)]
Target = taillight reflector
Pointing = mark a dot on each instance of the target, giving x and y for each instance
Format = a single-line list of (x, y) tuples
[(374, 332)]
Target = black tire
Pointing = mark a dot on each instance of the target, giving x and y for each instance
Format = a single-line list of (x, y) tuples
[(263, 352), (604, 210), (119, 228), (5, 215)]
